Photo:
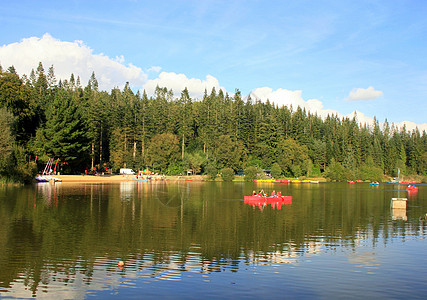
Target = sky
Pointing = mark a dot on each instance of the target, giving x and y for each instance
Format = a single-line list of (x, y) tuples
[(367, 58)]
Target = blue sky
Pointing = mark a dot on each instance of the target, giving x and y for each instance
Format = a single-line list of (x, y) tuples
[(328, 56)]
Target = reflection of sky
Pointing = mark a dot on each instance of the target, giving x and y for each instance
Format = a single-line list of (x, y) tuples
[(127, 190), (383, 271)]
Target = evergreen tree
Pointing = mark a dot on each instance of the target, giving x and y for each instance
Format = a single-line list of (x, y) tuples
[(64, 135)]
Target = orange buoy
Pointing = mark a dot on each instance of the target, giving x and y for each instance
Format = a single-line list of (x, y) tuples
[(121, 264)]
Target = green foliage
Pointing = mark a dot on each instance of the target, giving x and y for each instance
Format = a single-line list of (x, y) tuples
[(194, 161), (7, 140), (227, 174), (337, 172), (211, 171), (292, 157), (228, 153), (276, 170), (174, 169), (251, 173), (315, 171), (370, 173), (163, 150), (87, 127), (64, 135)]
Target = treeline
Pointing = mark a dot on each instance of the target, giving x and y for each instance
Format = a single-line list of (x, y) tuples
[(89, 129)]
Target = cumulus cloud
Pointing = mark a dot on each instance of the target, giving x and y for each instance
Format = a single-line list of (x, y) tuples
[(70, 57), (291, 98), (155, 69), (178, 82), (364, 94), (287, 98), (411, 126)]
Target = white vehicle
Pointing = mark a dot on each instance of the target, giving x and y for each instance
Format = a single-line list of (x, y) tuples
[(127, 172)]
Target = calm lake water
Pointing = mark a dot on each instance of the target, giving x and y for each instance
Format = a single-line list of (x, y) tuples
[(192, 240)]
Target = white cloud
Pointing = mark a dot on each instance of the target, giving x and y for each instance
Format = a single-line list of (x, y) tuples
[(364, 94), (294, 98), (70, 57), (178, 82), (155, 69), (411, 126)]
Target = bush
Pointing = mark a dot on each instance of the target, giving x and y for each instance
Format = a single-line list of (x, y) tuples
[(370, 173), (227, 174), (211, 171), (174, 169), (276, 170), (337, 172), (250, 173)]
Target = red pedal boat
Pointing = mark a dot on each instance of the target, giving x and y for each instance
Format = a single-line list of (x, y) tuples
[(412, 188), (274, 201)]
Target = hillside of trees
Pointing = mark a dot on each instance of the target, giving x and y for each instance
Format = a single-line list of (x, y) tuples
[(89, 129)]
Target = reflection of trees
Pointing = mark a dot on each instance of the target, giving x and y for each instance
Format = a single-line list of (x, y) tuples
[(179, 223)]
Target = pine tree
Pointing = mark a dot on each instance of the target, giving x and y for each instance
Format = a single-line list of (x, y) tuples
[(64, 135)]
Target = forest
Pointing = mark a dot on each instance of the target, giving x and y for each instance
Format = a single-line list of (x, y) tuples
[(98, 131)]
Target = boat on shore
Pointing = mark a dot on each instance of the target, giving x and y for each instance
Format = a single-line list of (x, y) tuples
[(283, 181), (264, 180)]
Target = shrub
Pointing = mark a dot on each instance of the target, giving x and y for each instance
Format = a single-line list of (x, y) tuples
[(276, 170), (337, 172), (370, 173), (211, 171), (227, 174), (250, 173)]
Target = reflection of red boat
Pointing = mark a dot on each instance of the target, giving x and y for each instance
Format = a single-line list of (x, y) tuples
[(412, 188), (260, 201)]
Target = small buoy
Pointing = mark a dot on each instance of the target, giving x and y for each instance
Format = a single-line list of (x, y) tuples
[(121, 263)]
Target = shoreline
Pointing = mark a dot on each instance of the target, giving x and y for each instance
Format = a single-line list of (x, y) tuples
[(123, 178)]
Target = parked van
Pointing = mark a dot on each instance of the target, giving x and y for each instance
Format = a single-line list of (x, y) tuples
[(127, 172)]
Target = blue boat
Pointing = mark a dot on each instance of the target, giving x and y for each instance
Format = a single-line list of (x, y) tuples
[(139, 179)]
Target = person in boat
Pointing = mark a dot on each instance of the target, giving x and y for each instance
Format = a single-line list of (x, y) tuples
[(254, 193), (273, 193), (279, 194)]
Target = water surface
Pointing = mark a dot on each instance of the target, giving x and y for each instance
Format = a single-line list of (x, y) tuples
[(194, 239)]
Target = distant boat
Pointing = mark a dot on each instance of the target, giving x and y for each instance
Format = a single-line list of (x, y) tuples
[(374, 183), (40, 178), (412, 188), (350, 181), (139, 179), (314, 181), (283, 181)]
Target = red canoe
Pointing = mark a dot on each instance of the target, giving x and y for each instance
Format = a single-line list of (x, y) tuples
[(260, 201)]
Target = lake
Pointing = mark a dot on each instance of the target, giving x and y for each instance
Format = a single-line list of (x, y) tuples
[(192, 240)]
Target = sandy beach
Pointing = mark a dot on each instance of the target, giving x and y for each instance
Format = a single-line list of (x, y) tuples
[(118, 178)]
